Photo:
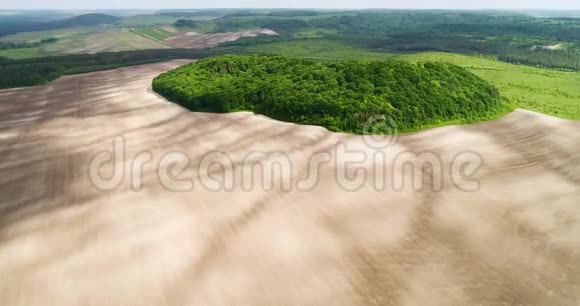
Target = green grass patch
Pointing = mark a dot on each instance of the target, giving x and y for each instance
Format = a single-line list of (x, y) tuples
[(317, 49), (155, 33), (315, 33), (148, 20), (205, 28), (21, 53)]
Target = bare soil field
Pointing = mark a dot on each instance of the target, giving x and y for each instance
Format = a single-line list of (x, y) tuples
[(64, 240), (193, 40)]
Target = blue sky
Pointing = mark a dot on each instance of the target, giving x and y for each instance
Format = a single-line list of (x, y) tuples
[(157, 4)]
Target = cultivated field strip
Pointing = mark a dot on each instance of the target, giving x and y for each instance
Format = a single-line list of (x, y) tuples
[(516, 240), (193, 40)]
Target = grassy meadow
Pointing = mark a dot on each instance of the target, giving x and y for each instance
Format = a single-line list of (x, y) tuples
[(21, 53), (148, 20), (155, 33)]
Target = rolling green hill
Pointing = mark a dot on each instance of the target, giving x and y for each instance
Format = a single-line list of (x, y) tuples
[(86, 20)]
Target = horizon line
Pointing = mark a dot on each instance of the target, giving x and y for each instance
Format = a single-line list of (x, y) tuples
[(289, 8)]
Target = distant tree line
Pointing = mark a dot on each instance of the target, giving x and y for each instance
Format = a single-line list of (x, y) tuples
[(508, 37), (38, 71), (186, 23), (21, 45), (568, 59)]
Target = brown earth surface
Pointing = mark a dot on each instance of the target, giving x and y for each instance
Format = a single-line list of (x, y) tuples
[(63, 241), (193, 40)]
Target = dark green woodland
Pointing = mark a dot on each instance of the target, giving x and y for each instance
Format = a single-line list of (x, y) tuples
[(341, 96)]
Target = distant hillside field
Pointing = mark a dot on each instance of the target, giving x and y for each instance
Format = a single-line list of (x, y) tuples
[(341, 96), (86, 20), (80, 41)]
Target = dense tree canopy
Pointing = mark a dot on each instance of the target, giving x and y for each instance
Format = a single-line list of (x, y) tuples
[(340, 96), (37, 71), (186, 23), (21, 45)]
